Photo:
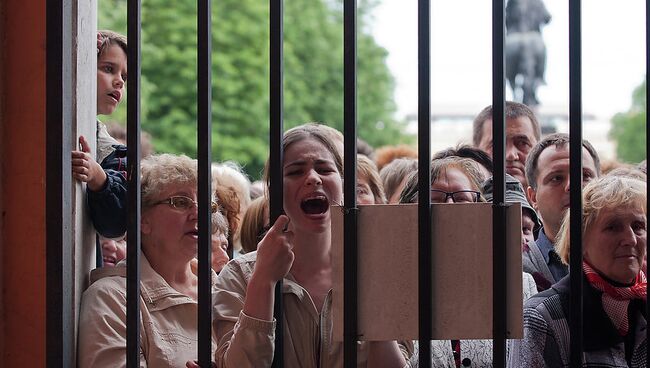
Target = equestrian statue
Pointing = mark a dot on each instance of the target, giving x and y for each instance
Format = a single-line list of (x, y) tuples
[(525, 50)]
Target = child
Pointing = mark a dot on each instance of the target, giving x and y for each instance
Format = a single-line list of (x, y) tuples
[(106, 183)]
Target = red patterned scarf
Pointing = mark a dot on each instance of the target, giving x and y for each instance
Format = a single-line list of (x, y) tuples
[(616, 299)]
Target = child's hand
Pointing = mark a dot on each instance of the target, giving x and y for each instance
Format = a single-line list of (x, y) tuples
[(84, 167)]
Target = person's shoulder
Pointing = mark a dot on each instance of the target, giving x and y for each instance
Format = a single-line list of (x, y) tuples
[(245, 260), (107, 281), (549, 303), (241, 266)]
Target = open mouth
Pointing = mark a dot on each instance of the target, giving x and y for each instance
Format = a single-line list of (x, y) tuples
[(109, 261), (315, 205), (115, 95), (193, 233)]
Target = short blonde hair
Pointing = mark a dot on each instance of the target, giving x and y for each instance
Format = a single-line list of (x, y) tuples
[(605, 193), (368, 170), (160, 171), (393, 174), (230, 174), (254, 223)]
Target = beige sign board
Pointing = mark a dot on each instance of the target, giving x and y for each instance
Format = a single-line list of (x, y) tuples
[(462, 271)]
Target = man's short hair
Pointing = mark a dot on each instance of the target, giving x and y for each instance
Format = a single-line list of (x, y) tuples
[(559, 140), (513, 110)]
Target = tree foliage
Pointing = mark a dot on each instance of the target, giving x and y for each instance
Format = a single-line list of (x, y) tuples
[(313, 74), (629, 128)]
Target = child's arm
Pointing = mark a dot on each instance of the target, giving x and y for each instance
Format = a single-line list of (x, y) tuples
[(86, 169)]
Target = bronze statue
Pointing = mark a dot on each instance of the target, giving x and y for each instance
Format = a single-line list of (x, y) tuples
[(525, 50)]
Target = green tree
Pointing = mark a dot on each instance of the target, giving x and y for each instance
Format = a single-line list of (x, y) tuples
[(629, 128), (313, 79)]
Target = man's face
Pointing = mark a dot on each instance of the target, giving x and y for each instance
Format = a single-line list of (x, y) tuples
[(551, 198), (520, 138)]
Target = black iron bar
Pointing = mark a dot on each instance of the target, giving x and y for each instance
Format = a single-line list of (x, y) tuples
[(275, 157), (350, 259), (204, 154), (58, 197), (425, 254), (133, 187), (647, 137), (575, 177), (499, 263)]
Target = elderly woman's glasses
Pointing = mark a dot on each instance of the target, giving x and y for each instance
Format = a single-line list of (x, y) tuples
[(183, 203), (461, 196)]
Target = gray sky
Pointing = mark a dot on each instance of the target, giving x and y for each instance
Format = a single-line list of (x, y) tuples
[(613, 53)]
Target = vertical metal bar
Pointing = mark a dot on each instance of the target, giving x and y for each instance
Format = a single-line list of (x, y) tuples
[(275, 156), (133, 187), (575, 158), (425, 254), (350, 259), (204, 154), (499, 279), (647, 135), (58, 200)]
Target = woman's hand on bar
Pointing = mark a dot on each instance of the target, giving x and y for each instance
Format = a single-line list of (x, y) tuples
[(274, 260), (275, 252)]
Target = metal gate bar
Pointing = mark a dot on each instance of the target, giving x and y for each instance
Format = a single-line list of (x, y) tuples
[(575, 177), (58, 198), (425, 254), (133, 187), (276, 155), (350, 218), (499, 262), (647, 136), (204, 195)]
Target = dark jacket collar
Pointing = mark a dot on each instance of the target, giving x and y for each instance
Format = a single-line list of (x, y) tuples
[(598, 330)]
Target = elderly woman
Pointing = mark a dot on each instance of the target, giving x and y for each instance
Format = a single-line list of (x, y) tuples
[(168, 287), (296, 249), (456, 180), (614, 292)]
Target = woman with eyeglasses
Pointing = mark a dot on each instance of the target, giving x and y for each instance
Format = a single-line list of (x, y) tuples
[(456, 180), (168, 287), (296, 250)]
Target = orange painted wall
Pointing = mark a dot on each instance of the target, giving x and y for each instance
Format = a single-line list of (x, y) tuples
[(23, 183)]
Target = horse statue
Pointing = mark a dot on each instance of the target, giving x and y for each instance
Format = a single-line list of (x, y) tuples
[(525, 51)]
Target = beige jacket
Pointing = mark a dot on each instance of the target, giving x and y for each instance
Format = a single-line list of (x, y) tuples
[(168, 323), (243, 341)]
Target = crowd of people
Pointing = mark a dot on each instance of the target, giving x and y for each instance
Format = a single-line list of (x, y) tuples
[(296, 247)]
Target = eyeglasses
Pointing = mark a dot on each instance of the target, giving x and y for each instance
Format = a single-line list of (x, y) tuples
[(184, 203), (461, 196)]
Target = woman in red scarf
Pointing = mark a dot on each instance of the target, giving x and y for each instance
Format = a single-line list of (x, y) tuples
[(614, 292)]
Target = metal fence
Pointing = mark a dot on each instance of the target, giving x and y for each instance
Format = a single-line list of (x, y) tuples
[(59, 309)]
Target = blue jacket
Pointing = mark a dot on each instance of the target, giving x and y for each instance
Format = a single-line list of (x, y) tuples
[(108, 205)]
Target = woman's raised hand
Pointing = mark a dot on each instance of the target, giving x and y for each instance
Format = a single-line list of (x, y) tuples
[(275, 252)]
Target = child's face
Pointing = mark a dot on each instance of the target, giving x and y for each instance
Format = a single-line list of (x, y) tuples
[(111, 76), (527, 227), (113, 250)]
